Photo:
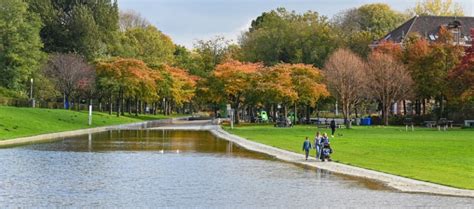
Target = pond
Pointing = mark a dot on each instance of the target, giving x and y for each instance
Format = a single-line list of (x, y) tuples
[(155, 168)]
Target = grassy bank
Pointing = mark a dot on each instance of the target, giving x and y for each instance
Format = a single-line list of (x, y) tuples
[(426, 154), (19, 122)]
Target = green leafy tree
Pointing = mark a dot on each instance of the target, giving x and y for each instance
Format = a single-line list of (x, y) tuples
[(210, 53), (437, 8), (359, 27), (20, 44), (87, 27), (148, 44), (282, 36)]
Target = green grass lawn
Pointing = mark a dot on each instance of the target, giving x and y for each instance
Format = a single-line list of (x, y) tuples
[(19, 122), (426, 154)]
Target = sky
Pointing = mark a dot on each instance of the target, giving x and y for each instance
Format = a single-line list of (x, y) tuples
[(187, 21)]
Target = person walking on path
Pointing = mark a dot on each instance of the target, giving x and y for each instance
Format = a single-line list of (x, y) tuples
[(317, 144), (333, 127), (307, 147)]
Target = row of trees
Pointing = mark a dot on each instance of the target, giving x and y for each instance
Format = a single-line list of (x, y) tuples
[(420, 71), (381, 78), (79, 50), (88, 49), (252, 85)]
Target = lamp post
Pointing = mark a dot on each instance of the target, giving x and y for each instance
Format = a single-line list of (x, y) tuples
[(31, 93)]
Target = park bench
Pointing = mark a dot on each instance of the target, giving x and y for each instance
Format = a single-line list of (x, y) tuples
[(445, 123), (283, 122), (409, 122), (469, 123), (429, 123)]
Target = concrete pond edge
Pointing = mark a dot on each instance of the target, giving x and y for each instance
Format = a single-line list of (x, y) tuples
[(58, 135)]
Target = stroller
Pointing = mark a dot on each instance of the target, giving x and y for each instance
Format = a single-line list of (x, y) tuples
[(326, 152)]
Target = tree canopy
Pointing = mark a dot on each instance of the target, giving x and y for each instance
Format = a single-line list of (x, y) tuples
[(359, 27), (437, 8), (283, 36), (147, 44), (20, 44), (86, 27)]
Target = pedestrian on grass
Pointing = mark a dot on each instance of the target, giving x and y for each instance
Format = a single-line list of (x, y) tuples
[(333, 127), (317, 144), (307, 147)]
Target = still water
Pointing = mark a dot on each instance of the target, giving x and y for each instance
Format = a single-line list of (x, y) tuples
[(151, 168)]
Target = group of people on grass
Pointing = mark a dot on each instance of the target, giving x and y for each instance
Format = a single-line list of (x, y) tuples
[(321, 145)]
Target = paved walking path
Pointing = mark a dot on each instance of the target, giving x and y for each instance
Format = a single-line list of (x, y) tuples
[(393, 181)]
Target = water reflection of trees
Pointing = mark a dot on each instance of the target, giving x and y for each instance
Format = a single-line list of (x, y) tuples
[(150, 140)]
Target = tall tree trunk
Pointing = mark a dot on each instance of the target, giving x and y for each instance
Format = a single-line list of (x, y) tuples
[(140, 109), (122, 104), (308, 114), (67, 103), (110, 105), (417, 107), (273, 112), (424, 107), (404, 107), (129, 108), (165, 107), (236, 112), (136, 106), (385, 113), (168, 107), (117, 103), (294, 114), (100, 104), (441, 105)]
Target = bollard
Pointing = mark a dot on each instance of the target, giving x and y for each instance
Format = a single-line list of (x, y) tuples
[(90, 115)]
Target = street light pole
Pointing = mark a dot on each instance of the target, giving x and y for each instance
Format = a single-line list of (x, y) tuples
[(31, 93)]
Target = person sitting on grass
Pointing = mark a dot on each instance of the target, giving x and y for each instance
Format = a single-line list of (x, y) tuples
[(307, 147)]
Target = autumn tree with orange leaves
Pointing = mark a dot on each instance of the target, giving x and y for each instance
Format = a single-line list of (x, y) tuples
[(429, 65), (235, 78), (127, 79), (177, 88), (306, 86), (461, 84)]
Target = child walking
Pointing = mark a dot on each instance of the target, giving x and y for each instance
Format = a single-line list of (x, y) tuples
[(307, 147)]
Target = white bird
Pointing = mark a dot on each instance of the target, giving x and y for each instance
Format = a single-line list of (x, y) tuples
[(177, 151), (162, 151)]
